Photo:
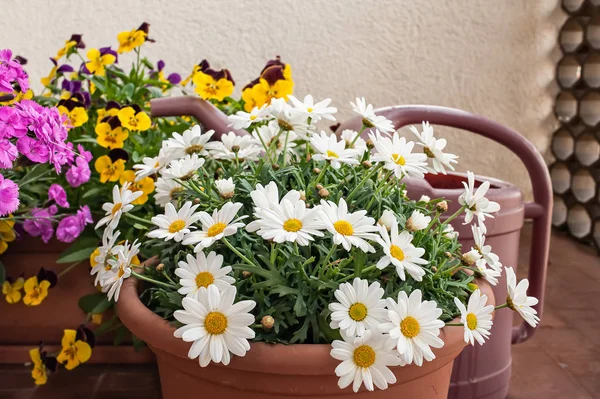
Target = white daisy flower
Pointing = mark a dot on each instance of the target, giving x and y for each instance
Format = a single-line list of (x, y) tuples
[(476, 317), (289, 222), (120, 270), (192, 141), (289, 121), (201, 272), (471, 257), (485, 250), (100, 266), (272, 135), (215, 227), (475, 201), (215, 325), (348, 229), (365, 360), (414, 326), (397, 154), (122, 199), (387, 219), (225, 187), (424, 198), (369, 119), (433, 148), (175, 225), (308, 108), (417, 221), (329, 149), (246, 147), (265, 197), (491, 275), (151, 166), (360, 307), (518, 300), (359, 145), (449, 232), (399, 251), (184, 168), (166, 190), (243, 120)]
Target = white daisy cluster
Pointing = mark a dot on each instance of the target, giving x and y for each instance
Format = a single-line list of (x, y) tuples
[(221, 202)]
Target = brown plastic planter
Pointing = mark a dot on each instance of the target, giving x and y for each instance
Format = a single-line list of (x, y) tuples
[(23, 327), (277, 371)]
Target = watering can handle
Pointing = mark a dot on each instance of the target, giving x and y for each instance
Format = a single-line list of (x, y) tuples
[(207, 114), (539, 210)]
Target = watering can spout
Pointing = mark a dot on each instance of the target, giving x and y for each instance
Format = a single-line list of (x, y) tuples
[(207, 114)]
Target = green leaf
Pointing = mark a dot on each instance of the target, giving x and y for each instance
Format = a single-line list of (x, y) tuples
[(89, 303), (138, 344), (80, 250), (105, 326), (2, 273), (120, 334), (140, 226), (92, 192), (99, 83), (127, 91)]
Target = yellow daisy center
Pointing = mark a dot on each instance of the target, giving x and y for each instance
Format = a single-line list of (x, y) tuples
[(253, 117), (309, 109), (292, 225), (193, 149), (215, 323), (343, 227), (471, 321), (396, 252), (216, 229), (364, 356), (116, 208), (121, 272), (398, 159), (332, 154), (176, 226), (357, 312), (410, 327), (204, 279)]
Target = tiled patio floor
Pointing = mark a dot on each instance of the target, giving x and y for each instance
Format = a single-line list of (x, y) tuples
[(562, 361)]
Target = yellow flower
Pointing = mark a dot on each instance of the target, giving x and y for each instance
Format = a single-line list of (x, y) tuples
[(210, 88), (74, 352), (38, 373), (48, 79), (12, 291), (63, 51), (98, 62), (109, 137), (92, 88), (130, 40), (35, 292), (75, 117), (97, 318), (109, 170), (280, 89), (145, 185), (28, 95), (253, 98), (7, 234), (93, 257), (132, 120), (103, 113)]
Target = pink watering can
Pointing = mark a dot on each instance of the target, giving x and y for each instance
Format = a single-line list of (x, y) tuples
[(481, 372)]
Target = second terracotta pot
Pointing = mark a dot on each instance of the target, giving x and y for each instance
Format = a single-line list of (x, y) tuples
[(276, 371)]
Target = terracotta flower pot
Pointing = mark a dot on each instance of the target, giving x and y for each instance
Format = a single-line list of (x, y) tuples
[(276, 371), (23, 327)]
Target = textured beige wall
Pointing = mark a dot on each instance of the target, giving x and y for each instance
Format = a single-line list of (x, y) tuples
[(491, 57)]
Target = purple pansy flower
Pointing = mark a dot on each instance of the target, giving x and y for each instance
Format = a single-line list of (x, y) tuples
[(58, 194), (79, 172), (40, 225), (9, 196), (8, 153)]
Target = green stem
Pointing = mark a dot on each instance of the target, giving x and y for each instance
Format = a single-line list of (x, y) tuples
[(68, 269), (363, 271), (367, 176), (151, 280), (285, 144), (435, 218), (238, 253), (460, 210), (362, 129), (138, 219), (455, 324), (321, 174), (325, 260), (501, 306)]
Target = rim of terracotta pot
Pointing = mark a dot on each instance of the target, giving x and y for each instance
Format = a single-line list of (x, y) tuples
[(295, 359)]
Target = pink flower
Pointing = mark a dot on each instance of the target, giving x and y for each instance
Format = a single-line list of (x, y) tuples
[(11, 123), (85, 154), (41, 223), (10, 71), (9, 196), (58, 194), (33, 149), (8, 153), (71, 227), (79, 173)]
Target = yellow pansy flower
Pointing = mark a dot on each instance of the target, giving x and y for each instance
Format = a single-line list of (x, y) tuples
[(38, 373), (98, 61), (145, 185), (63, 51), (74, 352), (109, 170), (12, 291), (7, 234), (280, 89), (97, 318), (103, 113), (109, 137), (133, 119), (35, 292), (48, 79), (253, 98), (130, 40), (76, 117), (211, 88), (28, 95)]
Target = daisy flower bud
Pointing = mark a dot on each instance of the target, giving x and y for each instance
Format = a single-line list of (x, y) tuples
[(267, 322), (367, 164), (424, 198), (441, 206), (316, 171), (417, 221), (387, 219), (319, 186), (302, 195), (275, 166), (370, 144), (324, 193), (196, 201), (472, 286), (235, 149), (160, 267), (469, 258), (225, 187), (246, 274)]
